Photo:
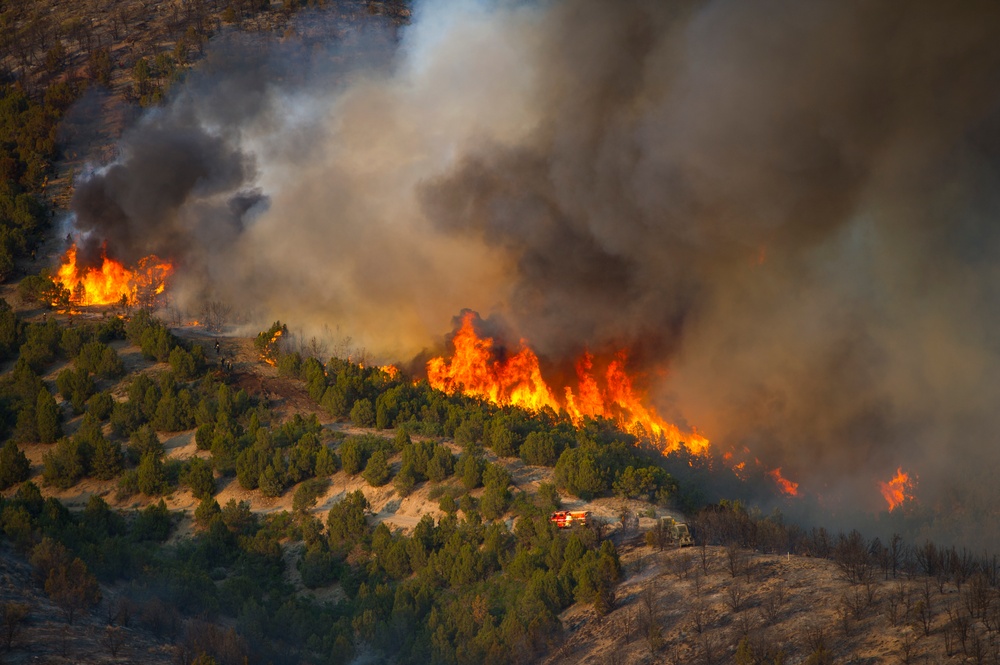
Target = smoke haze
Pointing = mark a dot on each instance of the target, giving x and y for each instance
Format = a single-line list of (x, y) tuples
[(790, 207)]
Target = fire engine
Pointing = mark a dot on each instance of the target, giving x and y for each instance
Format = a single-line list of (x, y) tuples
[(565, 519)]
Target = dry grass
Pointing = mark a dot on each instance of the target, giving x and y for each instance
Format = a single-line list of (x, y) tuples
[(672, 609)]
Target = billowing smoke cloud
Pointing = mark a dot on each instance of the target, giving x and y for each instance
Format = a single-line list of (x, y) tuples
[(790, 206)]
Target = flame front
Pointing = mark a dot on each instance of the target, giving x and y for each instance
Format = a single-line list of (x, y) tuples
[(786, 486), (898, 490), (474, 369), (108, 283)]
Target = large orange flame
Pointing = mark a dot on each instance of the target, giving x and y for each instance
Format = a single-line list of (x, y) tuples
[(899, 489), (474, 369), (108, 283)]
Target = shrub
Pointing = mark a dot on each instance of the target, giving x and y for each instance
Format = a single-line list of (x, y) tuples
[(447, 504), (76, 387), (47, 417), (107, 459), (405, 480), (441, 465), (318, 567), (207, 511), (197, 474), (98, 358), (540, 449), (101, 405), (326, 462), (470, 467), (14, 465), (308, 493), (362, 413), (144, 440), (64, 466), (151, 479), (377, 470)]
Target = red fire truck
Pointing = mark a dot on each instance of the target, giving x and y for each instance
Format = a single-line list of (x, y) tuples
[(565, 519)]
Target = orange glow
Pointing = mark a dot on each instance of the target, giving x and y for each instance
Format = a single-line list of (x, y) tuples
[(270, 352), (898, 490), (786, 486), (474, 369), (109, 282), (391, 370)]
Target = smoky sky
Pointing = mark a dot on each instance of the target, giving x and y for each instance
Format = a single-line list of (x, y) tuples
[(788, 210)]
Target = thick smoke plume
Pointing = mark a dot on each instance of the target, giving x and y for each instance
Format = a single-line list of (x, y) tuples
[(790, 207)]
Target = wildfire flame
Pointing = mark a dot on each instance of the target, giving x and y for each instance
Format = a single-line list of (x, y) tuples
[(269, 353), (474, 369), (899, 489), (108, 283), (786, 486)]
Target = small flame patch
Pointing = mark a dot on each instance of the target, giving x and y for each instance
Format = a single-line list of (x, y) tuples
[(899, 489)]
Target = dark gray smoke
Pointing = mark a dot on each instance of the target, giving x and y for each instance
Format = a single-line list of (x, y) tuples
[(791, 207)]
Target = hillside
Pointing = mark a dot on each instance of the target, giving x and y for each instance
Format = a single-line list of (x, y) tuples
[(709, 603)]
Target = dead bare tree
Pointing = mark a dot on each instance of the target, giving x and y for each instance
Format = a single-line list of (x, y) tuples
[(772, 604), (12, 618), (736, 596), (736, 559), (650, 623), (113, 639), (215, 315), (680, 564), (709, 648), (907, 648), (699, 616), (978, 596), (844, 616), (892, 603)]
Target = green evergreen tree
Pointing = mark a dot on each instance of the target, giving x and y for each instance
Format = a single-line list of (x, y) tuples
[(151, 478), (352, 455), (441, 464), (197, 474), (107, 460), (346, 521), (14, 465), (362, 413), (47, 417), (270, 483), (405, 480), (377, 470), (470, 468), (326, 462), (63, 466), (26, 427), (142, 441), (207, 511)]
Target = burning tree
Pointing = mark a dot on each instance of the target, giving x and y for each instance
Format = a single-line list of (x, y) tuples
[(110, 282), (477, 369), (268, 343)]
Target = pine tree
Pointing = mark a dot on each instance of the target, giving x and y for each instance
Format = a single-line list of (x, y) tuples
[(14, 465), (26, 429), (377, 470), (107, 459), (270, 482), (151, 478), (326, 462), (47, 417)]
